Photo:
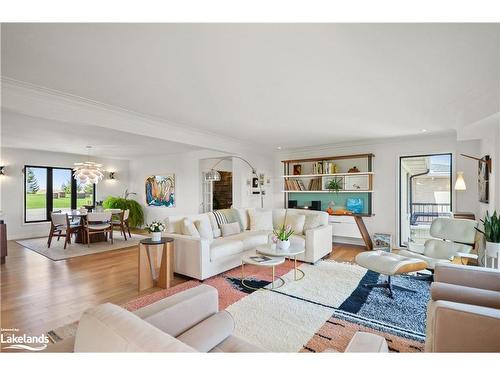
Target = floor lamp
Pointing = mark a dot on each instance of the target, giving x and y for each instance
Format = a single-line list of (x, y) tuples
[(213, 175)]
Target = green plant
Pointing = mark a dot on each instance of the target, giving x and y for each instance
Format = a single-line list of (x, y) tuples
[(283, 233), (491, 226), (136, 216), (155, 226), (335, 185)]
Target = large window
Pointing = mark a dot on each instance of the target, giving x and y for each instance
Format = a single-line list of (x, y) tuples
[(48, 189)]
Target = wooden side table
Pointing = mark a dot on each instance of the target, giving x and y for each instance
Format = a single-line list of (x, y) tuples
[(156, 263)]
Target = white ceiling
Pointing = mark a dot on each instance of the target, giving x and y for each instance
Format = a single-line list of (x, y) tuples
[(289, 85), (20, 131)]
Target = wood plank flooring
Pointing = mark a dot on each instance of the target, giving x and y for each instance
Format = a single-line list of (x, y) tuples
[(38, 294)]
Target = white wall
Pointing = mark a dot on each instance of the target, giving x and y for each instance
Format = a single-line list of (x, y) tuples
[(386, 169), (187, 168), (12, 200)]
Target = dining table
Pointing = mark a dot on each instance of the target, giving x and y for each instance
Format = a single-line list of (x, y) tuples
[(81, 215)]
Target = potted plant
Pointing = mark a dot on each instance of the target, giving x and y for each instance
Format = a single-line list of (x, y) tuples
[(282, 235), (155, 228), (491, 227), (335, 185), (136, 216)]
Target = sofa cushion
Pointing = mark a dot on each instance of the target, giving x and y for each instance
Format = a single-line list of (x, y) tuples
[(230, 229), (204, 336), (312, 222), (298, 240), (296, 223), (244, 218), (228, 215), (251, 239), (260, 219), (110, 328), (205, 230), (214, 225), (223, 247), (189, 229)]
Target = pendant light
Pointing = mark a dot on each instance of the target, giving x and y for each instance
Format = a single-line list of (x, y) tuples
[(88, 171)]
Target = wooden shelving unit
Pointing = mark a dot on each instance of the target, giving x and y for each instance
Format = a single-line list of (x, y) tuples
[(307, 179)]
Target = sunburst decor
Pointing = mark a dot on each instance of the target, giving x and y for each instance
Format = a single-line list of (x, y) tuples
[(88, 171)]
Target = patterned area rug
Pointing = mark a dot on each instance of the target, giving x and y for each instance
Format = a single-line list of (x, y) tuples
[(321, 311)]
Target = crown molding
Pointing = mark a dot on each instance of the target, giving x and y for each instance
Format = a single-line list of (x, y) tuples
[(37, 101)]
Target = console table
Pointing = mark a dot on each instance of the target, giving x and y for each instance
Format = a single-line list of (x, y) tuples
[(156, 263)]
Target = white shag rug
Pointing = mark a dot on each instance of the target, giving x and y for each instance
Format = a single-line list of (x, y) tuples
[(274, 321), (73, 250)]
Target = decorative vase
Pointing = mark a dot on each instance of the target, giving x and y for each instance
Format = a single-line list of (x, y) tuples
[(492, 249), (283, 245), (156, 236)]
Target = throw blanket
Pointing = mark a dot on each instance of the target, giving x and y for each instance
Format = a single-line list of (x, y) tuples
[(228, 215)]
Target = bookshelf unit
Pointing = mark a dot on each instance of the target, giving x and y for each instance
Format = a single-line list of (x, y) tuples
[(306, 180)]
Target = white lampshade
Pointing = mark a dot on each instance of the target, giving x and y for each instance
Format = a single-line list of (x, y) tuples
[(460, 182), (88, 172), (212, 175)]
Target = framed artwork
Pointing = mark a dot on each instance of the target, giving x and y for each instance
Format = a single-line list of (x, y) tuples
[(382, 241), (160, 191), (483, 177), (297, 169), (255, 183)]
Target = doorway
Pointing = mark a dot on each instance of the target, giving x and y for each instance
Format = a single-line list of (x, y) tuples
[(223, 191), (424, 195)]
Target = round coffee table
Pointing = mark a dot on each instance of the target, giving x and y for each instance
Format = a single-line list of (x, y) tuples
[(272, 263), (291, 253)]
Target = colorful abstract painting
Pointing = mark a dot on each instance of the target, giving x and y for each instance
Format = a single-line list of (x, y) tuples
[(160, 191)]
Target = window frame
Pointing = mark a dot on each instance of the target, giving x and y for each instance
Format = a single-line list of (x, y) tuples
[(49, 191), (401, 157)]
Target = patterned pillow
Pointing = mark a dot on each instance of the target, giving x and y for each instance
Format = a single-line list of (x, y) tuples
[(227, 216)]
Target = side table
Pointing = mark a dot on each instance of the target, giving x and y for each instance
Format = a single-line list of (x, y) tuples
[(156, 263)]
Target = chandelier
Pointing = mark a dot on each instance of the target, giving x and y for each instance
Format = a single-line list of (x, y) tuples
[(88, 171)]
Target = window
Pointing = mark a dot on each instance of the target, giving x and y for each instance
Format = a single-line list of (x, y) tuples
[(424, 194), (48, 189)]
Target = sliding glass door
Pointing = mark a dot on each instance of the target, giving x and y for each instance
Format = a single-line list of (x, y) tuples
[(424, 194)]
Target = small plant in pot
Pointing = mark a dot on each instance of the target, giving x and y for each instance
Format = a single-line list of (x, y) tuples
[(155, 228), (491, 227), (282, 235)]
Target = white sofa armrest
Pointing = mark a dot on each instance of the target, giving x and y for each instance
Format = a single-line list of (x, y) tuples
[(318, 243), (190, 254)]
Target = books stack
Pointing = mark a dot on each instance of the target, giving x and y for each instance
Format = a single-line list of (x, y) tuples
[(295, 185), (315, 184), (324, 167)]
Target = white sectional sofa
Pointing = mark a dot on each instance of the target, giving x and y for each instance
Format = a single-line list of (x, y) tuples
[(202, 258)]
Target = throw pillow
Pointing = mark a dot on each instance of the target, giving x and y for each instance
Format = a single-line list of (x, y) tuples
[(214, 225), (204, 229), (189, 229), (230, 229), (260, 220), (227, 215), (312, 221), (296, 223)]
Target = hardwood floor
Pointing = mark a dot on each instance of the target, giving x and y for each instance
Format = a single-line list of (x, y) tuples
[(38, 294)]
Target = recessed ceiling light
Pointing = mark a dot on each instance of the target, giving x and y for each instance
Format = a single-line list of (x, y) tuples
[(279, 147), (423, 130)]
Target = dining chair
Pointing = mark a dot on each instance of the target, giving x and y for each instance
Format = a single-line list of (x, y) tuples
[(121, 220), (60, 223), (98, 222)]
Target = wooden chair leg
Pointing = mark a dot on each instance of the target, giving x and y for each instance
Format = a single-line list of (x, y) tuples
[(128, 228), (66, 238), (111, 235), (122, 226), (51, 234), (88, 238), (58, 235)]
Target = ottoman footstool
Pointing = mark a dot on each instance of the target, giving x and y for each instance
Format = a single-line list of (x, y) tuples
[(389, 264)]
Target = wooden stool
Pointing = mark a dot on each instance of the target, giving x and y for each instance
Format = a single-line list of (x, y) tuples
[(156, 263)]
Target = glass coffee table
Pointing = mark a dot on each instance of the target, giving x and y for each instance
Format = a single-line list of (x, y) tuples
[(271, 262), (291, 253)]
